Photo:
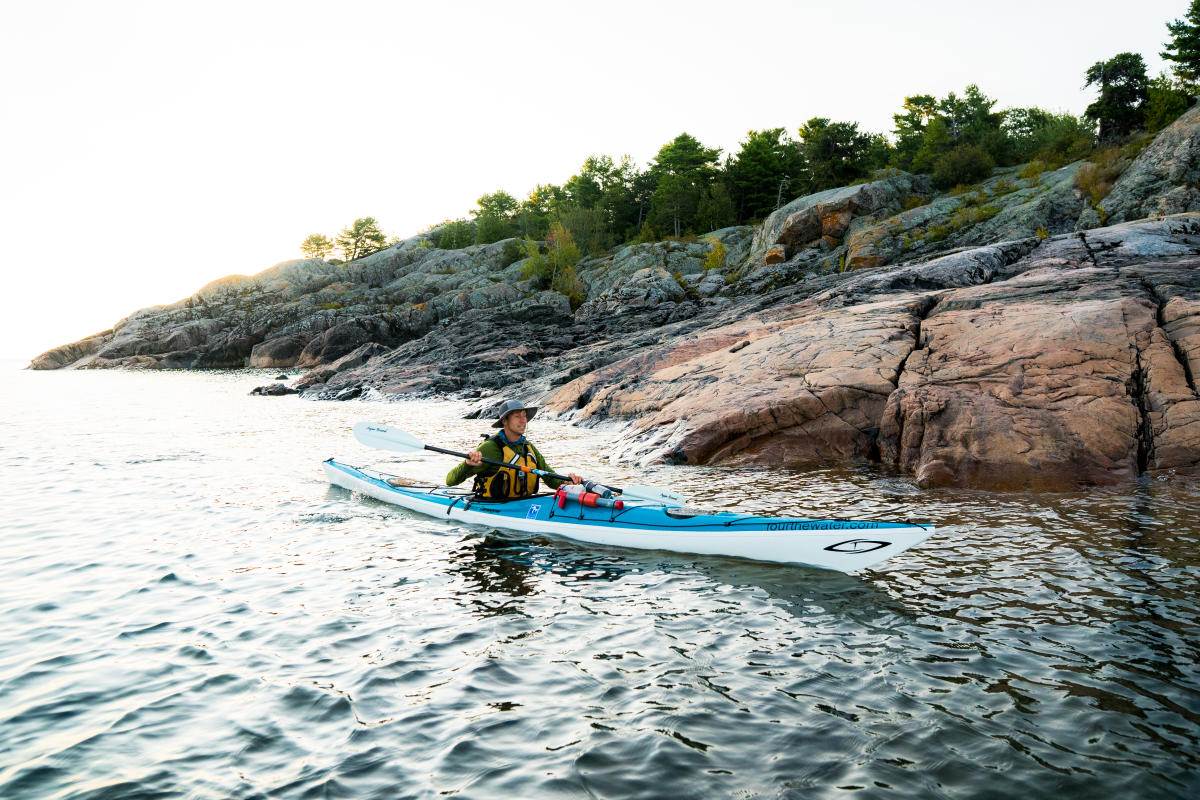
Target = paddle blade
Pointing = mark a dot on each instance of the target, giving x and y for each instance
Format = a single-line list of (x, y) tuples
[(655, 495), (374, 434)]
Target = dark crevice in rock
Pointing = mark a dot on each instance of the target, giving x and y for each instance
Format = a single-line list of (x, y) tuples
[(1136, 390), (1176, 348), (1182, 358), (923, 310), (1145, 435), (1011, 257), (1091, 253)]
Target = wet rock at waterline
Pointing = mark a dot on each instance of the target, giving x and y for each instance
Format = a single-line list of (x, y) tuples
[(1068, 362), (274, 390)]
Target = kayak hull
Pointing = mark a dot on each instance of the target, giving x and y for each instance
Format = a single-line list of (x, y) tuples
[(842, 545)]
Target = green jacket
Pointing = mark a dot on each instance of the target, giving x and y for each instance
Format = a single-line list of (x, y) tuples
[(489, 449)]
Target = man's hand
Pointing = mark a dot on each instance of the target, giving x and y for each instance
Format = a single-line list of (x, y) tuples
[(473, 459), (575, 478)]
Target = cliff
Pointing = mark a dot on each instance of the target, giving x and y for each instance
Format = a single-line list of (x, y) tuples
[(992, 338)]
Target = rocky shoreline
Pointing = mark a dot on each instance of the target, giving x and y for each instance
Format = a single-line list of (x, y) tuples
[(1000, 338)]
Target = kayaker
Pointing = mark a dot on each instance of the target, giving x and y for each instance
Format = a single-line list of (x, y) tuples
[(511, 447)]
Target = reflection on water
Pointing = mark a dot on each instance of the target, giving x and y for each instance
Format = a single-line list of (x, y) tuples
[(496, 574), (187, 609)]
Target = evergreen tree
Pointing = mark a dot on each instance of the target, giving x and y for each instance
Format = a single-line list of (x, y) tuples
[(618, 199), (715, 209), (361, 238), (586, 188), (919, 111), (1034, 133), (493, 219), (836, 154), (587, 226), (316, 246), (935, 143), (1183, 51), (532, 219), (1123, 86), (683, 169), (768, 162), (931, 128), (598, 204), (1164, 103)]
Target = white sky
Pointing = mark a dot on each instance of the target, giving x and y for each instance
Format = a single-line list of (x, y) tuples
[(150, 147)]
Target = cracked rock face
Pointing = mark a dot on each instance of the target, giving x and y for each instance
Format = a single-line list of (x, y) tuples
[(1029, 365), (1028, 384), (796, 386)]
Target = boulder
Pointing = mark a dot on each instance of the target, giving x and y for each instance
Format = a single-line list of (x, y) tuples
[(333, 344), (807, 219), (352, 360), (282, 351), (274, 390)]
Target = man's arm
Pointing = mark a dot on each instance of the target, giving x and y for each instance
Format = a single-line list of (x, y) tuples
[(464, 470)]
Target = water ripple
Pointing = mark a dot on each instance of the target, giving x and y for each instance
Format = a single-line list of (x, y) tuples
[(187, 609)]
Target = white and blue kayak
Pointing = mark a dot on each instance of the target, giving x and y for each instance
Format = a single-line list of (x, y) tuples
[(644, 522)]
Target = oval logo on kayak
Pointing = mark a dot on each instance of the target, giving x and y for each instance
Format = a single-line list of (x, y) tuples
[(857, 546)]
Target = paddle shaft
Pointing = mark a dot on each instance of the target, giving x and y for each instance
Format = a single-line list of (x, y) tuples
[(531, 470)]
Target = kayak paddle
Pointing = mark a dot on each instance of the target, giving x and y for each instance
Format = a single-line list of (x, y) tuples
[(374, 434)]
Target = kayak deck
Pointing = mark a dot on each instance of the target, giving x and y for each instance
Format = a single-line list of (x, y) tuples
[(842, 545)]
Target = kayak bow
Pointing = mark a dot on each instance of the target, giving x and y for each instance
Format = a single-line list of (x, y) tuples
[(843, 545)]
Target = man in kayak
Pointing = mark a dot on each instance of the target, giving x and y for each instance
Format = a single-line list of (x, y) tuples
[(511, 447)]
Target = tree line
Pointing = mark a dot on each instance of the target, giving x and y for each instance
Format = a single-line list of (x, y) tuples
[(689, 187)]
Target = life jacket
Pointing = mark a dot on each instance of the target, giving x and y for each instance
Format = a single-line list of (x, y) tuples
[(509, 484)]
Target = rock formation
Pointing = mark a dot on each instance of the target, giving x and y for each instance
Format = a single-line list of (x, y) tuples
[(973, 339), (1164, 179), (1037, 365)]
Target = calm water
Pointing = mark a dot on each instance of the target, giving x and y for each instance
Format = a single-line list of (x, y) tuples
[(188, 610)]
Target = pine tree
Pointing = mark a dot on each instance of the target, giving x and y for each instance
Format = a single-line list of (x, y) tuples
[(1123, 91), (316, 246), (1184, 48), (361, 239)]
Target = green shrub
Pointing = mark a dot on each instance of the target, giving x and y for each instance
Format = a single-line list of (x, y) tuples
[(1004, 186), (967, 216), (1164, 104), (914, 201), (1095, 182), (1096, 178), (1033, 171), (511, 253), (935, 233), (456, 235), (566, 281), (1065, 140), (716, 254), (536, 265), (967, 163)]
